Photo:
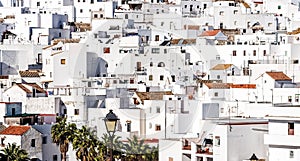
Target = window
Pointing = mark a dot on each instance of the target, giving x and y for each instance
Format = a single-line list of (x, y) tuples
[(50, 74), (165, 51), (244, 52), (173, 78), (185, 6), (157, 128), (92, 1), (234, 53), (291, 154), (150, 77), (151, 64), (95, 15), (62, 61), (54, 157), (76, 112), (279, 7), (155, 50), (254, 52), (32, 142), (81, 10), (106, 50), (128, 124), (65, 111), (44, 141), (156, 37), (221, 13), (216, 94), (289, 98), (13, 111), (217, 141), (161, 64), (235, 11), (265, 52), (218, 76), (38, 3), (157, 109), (161, 77), (150, 125), (296, 98), (290, 128)]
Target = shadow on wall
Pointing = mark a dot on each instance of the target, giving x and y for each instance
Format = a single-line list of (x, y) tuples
[(6, 69)]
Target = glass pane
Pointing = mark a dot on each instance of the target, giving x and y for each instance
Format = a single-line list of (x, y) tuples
[(110, 125)]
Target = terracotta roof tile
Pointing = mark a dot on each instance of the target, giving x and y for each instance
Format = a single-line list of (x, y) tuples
[(210, 33), (3, 76), (37, 87), (29, 74), (218, 85), (221, 67), (252, 86), (15, 130), (278, 76), (152, 95), (24, 88)]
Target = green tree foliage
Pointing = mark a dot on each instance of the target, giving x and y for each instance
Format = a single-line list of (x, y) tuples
[(62, 134), (14, 153)]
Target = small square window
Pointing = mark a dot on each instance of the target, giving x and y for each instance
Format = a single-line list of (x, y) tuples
[(157, 109), (54, 157), (291, 154), (106, 50), (216, 94), (217, 141), (62, 61), (157, 128), (150, 77), (234, 53), (76, 112), (161, 77)]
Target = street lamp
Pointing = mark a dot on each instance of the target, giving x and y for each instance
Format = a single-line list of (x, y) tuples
[(110, 124)]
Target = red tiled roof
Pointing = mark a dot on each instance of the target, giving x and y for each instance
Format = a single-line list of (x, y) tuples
[(3, 76), (152, 95), (218, 85), (15, 130), (29, 74), (253, 86), (221, 67), (24, 88), (37, 87), (210, 33), (278, 76)]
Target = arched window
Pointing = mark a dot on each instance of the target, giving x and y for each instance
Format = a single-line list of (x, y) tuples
[(161, 64)]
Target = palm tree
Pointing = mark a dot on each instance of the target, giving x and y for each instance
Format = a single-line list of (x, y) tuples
[(14, 153), (85, 143), (152, 154), (117, 145), (62, 134), (136, 149)]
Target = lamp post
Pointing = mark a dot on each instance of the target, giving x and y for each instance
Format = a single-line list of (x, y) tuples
[(110, 124)]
